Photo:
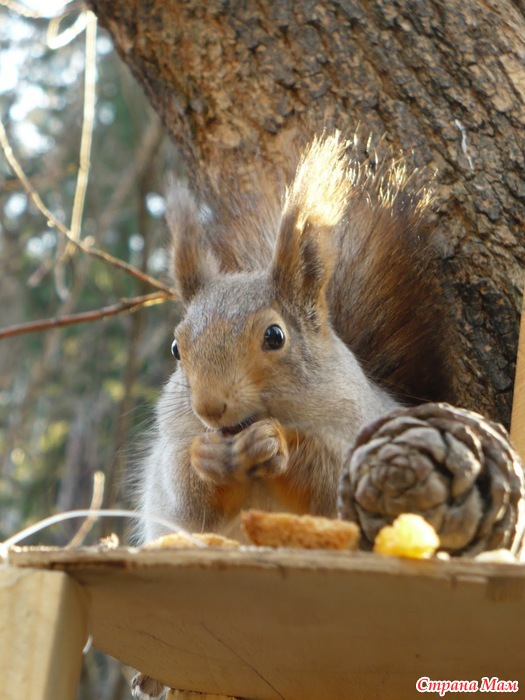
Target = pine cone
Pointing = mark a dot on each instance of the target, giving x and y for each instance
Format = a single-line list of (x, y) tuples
[(452, 466)]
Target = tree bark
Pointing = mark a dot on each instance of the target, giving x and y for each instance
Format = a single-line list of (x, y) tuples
[(233, 79)]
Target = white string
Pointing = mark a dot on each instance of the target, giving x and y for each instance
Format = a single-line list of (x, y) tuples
[(86, 513)]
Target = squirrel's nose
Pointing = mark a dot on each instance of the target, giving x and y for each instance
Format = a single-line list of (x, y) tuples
[(209, 408)]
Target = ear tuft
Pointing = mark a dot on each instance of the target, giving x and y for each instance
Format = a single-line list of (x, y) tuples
[(320, 189), (193, 262), (314, 203)]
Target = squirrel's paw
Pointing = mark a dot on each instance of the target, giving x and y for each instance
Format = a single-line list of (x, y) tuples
[(258, 451), (143, 687)]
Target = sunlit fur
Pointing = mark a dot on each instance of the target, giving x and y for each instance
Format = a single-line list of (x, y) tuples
[(343, 263)]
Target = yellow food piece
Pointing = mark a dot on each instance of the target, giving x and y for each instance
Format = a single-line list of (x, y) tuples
[(209, 539), (409, 536)]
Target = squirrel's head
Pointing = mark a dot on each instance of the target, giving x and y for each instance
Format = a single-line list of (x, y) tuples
[(248, 340)]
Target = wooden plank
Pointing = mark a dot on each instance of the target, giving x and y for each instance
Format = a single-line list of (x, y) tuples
[(517, 426), (43, 622), (289, 625)]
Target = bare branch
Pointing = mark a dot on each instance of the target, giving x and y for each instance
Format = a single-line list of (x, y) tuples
[(57, 39), (86, 316), (53, 221), (20, 9), (87, 128), (96, 504), (88, 120)]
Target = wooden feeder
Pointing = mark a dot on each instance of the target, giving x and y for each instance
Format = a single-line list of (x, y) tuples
[(264, 625)]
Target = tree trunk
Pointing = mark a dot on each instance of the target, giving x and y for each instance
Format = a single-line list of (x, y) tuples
[(232, 81)]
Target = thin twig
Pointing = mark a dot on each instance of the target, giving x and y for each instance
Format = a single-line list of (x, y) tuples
[(21, 10), (150, 142), (15, 6), (96, 504), (88, 120), (86, 316), (87, 129), (53, 221), (56, 40)]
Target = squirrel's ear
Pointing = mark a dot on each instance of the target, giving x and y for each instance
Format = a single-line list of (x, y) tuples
[(193, 262), (314, 203)]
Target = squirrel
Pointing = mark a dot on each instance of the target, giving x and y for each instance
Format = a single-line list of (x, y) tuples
[(296, 333)]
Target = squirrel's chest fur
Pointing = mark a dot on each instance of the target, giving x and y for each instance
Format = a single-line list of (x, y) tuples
[(309, 484)]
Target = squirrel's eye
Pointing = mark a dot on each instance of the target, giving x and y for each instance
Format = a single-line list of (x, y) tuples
[(273, 337), (175, 350)]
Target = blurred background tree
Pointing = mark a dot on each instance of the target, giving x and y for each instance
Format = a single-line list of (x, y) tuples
[(73, 400)]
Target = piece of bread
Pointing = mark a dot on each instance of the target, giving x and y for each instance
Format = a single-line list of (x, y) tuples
[(300, 531), (178, 539)]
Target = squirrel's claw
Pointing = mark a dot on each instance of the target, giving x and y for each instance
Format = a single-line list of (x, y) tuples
[(143, 687)]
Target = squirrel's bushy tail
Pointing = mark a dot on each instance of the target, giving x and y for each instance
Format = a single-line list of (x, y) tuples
[(385, 293)]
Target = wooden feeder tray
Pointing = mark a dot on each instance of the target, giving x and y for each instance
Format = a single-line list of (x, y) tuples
[(261, 624)]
